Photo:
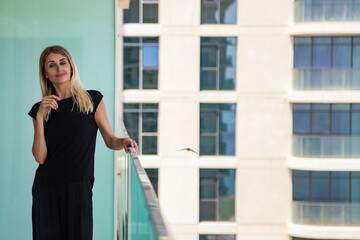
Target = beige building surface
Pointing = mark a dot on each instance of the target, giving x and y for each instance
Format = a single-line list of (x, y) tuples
[(264, 97)]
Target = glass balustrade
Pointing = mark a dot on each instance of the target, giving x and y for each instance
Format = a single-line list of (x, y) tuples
[(326, 214), (313, 146), (327, 10), (326, 79), (138, 214)]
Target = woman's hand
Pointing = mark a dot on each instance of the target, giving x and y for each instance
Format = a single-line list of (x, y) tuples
[(128, 142), (47, 103)]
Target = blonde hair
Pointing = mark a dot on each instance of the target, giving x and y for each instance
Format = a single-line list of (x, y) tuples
[(79, 95)]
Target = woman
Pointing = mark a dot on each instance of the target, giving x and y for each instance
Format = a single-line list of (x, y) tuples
[(65, 128)]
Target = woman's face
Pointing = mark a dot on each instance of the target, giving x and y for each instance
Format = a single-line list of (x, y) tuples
[(57, 69)]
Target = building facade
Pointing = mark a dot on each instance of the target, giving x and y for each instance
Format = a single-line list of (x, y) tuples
[(247, 114)]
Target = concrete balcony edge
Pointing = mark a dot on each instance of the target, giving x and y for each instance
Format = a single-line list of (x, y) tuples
[(324, 164), (325, 96), (323, 232)]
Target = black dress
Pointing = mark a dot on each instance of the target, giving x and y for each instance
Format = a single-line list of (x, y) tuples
[(62, 189)]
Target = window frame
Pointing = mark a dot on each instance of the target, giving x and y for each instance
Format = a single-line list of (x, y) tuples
[(140, 45), (142, 134)]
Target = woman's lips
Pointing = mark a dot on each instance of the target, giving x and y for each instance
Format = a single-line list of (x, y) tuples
[(60, 75)]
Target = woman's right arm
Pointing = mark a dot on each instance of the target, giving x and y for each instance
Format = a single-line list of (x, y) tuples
[(39, 148)]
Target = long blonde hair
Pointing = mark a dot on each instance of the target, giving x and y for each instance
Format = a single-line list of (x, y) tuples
[(79, 95)]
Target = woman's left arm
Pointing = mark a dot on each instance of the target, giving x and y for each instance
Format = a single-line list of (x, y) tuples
[(107, 133)]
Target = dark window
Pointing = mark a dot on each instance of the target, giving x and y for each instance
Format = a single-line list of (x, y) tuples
[(326, 63), (216, 237), (326, 119), (153, 174), (325, 186), (217, 194), (141, 123), (218, 11), (217, 129), (142, 11), (141, 62), (218, 63)]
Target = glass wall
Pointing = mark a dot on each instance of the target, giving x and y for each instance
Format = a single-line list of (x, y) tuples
[(217, 129), (141, 62), (326, 63), (218, 63), (142, 11), (87, 30), (327, 10), (217, 195), (218, 11), (326, 130), (141, 121), (326, 198)]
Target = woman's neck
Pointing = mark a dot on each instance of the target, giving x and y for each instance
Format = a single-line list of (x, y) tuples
[(63, 91)]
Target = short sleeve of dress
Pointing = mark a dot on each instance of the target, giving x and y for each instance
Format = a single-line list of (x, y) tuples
[(96, 97), (33, 111)]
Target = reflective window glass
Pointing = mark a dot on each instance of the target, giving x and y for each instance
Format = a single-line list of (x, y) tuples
[(217, 63), (218, 11), (141, 123), (149, 10), (217, 129), (153, 174), (216, 237), (217, 192), (141, 72)]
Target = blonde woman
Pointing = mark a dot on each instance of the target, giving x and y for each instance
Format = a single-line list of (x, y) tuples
[(65, 127)]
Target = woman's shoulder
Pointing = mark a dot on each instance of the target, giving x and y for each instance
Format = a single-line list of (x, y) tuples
[(94, 93), (34, 109), (96, 96)]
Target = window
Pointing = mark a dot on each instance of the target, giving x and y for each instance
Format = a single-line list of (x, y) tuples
[(325, 186), (326, 119), (141, 123), (327, 63), (327, 10), (142, 11), (153, 177), (217, 195), (216, 237), (141, 62), (218, 63), (218, 11), (217, 129), (326, 130)]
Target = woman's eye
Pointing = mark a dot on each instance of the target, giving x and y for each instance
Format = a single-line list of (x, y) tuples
[(63, 63), (51, 65)]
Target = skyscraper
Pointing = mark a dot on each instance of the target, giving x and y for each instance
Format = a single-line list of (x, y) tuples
[(247, 114)]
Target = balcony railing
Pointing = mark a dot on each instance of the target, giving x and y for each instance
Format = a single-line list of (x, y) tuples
[(327, 10), (138, 212), (326, 79), (315, 146), (326, 214)]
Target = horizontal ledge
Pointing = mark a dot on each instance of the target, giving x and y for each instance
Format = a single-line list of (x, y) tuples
[(325, 96), (323, 232), (324, 164)]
